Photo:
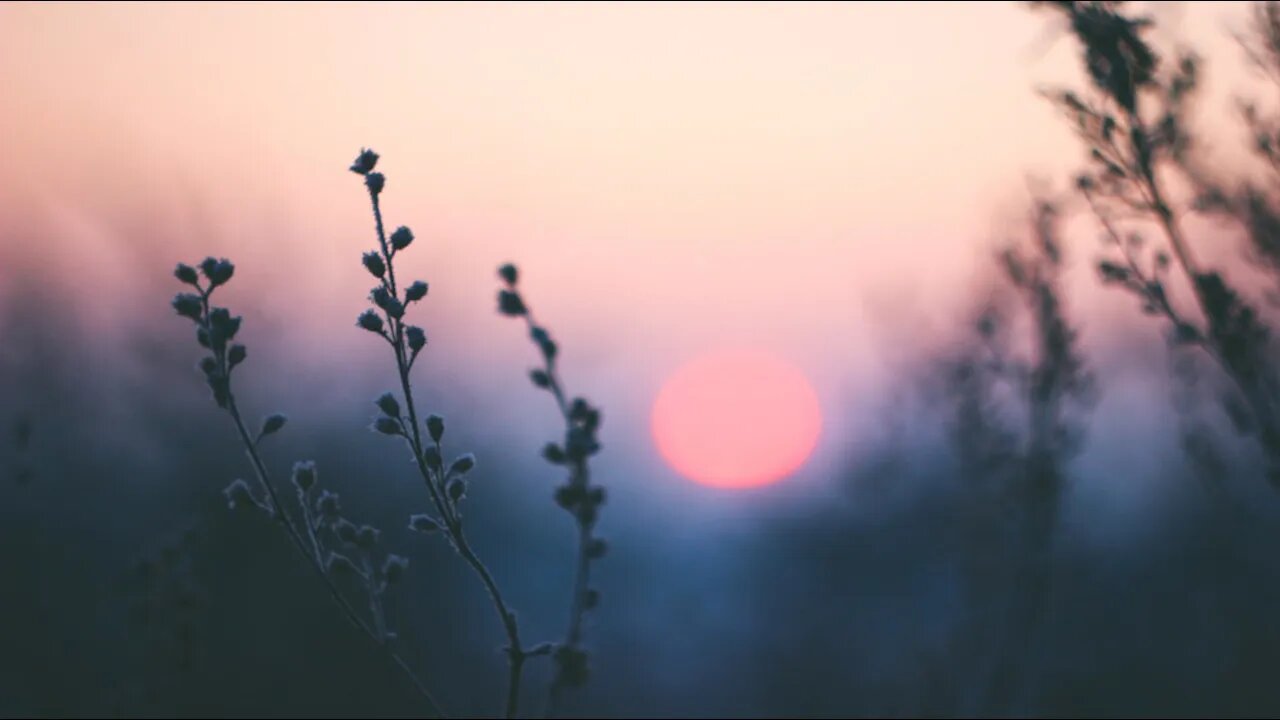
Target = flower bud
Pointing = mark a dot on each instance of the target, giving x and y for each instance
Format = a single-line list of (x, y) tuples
[(553, 454), (457, 488), (568, 496), (365, 162), (217, 271), (345, 531), (223, 324), (548, 349), (373, 263), (590, 599), (239, 495), (395, 308), (423, 523), (417, 338), (272, 423), (340, 565), (375, 182), (463, 465), (328, 507), (304, 475), (367, 536), (370, 321), (208, 365), (222, 272), (188, 306), (388, 405), (209, 266), (508, 274), (540, 378), (435, 427), (393, 568), (401, 238), (432, 457), (510, 303), (542, 338), (580, 444), (185, 273), (415, 292), (388, 426)]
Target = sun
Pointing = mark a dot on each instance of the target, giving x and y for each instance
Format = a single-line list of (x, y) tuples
[(736, 419)]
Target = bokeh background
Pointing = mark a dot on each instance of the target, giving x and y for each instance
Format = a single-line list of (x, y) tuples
[(827, 181)]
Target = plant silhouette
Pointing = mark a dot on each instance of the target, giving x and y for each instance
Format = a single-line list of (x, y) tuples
[(342, 552), (578, 496), (978, 534), (1135, 125), (1015, 422)]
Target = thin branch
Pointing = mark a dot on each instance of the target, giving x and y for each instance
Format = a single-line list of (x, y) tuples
[(435, 479)]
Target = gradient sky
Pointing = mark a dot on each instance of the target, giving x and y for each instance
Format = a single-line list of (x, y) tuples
[(821, 179)]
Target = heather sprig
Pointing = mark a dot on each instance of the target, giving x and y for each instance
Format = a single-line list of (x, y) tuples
[(314, 522), (446, 482), (1136, 131), (578, 496), (1017, 394), (331, 544)]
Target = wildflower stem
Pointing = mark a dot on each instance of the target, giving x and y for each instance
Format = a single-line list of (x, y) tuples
[(435, 484), (318, 565), (1148, 185), (215, 329), (382, 242), (1124, 67), (577, 608), (579, 477), (375, 601), (515, 653), (311, 530)]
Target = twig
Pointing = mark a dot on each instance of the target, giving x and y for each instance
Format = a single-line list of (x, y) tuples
[(437, 478), (215, 329)]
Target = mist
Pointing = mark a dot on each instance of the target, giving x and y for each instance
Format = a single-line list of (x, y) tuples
[(1043, 486)]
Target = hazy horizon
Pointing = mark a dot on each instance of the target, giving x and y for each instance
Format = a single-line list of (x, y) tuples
[(825, 182)]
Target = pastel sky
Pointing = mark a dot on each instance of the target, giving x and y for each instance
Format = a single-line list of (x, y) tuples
[(822, 179)]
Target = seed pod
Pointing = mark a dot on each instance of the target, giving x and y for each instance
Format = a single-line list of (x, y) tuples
[(435, 427), (304, 475), (365, 162), (401, 238), (393, 568), (374, 264), (423, 524), (272, 424), (388, 405)]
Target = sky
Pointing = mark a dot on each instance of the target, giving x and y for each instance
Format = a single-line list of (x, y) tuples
[(824, 181)]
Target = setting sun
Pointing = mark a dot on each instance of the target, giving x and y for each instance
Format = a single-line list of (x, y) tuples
[(736, 419)]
